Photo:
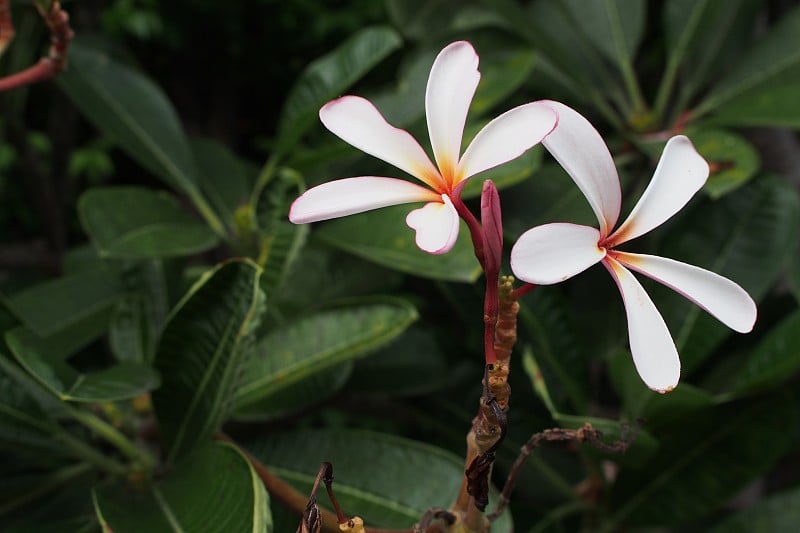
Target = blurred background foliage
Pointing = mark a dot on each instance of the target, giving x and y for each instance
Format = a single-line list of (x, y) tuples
[(154, 292)]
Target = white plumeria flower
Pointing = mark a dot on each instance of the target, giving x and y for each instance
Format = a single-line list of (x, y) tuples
[(451, 85), (554, 252)]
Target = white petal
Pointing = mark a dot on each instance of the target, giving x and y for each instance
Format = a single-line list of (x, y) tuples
[(507, 137), (359, 123), (578, 147), (555, 252), (680, 173), (451, 85), (654, 353), (436, 224), (355, 195), (721, 297)]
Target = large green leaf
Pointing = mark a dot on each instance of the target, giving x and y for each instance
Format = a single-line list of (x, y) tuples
[(297, 352), (703, 38), (703, 460), (202, 353), (389, 481), (329, 76), (779, 512), (382, 236), (23, 424), (61, 304), (139, 223), (615, 27), (413, 364), (544, 321), (136, 115), (225, 179), (281, 241), (774, 360), (504, 68), (322, 274), (122, 381), (213, 489), (747, 236), (768, 66)]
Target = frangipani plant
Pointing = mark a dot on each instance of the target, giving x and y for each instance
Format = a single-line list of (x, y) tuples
[(169, 344)]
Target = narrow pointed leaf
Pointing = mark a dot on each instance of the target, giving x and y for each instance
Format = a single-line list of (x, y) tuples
[(133, 111), (202, 353), (225, 179), (615, 27), (122, 381), (772, 63), (703, 460), (281, 241), (213, 489), (774, 360), (139, 223), (60, 304), (299, 351), (329, 76), (778, 512)]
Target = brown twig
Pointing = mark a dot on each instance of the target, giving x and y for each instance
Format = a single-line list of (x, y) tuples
[(55, 61), (586, 434)]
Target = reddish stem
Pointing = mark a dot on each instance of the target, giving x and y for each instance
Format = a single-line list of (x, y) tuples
[(519, 292)]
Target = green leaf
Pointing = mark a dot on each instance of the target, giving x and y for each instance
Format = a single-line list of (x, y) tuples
[(504, 69), (213, 489), (702, 461), (139, 223), (119, 382), (225, 179), (299, 351), (382, 236), (413, 364), (774, 104), (615, 27), (281, 241), (202, 353), (321, 275), (389, 481), (422, 20), (23, 424), (778, 512), (136, 115), (774, 360), (61, 304), (329, 76), (743, 237), (764, 67), (544, 322), (704, 38), (735, 158)]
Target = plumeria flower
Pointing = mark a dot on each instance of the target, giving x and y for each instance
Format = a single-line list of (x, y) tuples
[(555, 252), (451, 85)]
